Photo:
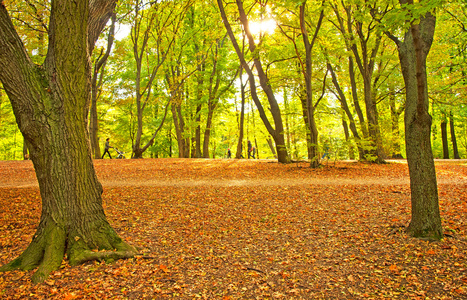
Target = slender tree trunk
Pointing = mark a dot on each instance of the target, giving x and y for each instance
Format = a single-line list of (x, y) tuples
[(314, 146), (271, 146), (395, 114), (453, 137), (358, 109), (239, 151), (306, 120), (444, 137), (197, 150), (207, 131), (51, 105), (426, 220), (287, 117)]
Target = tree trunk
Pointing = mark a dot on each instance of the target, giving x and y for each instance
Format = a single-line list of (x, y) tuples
[(238, 153), (207, 131), (426, 220), (444, 137), (271, 146), (50, 103), (183, 147), (310, 106), (306, 120), (197, 150), (453, 137), (395, 113), (358, 109)]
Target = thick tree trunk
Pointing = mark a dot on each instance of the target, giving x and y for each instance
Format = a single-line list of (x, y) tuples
[(444, 137), (426, 220), (51, 107)]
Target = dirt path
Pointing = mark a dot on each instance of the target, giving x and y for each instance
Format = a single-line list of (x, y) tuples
[(216, 173)]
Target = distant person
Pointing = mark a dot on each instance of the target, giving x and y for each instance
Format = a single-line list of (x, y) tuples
[(229, 153), (106, 148), (250, 149), (254, 152)]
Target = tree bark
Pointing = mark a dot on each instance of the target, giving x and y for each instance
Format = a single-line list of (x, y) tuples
[(426, 220), (51, 105)]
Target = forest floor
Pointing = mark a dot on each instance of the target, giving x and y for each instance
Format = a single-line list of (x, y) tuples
[(244, 229)]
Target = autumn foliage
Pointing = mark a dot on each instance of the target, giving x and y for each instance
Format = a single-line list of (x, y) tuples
[(242, 229)]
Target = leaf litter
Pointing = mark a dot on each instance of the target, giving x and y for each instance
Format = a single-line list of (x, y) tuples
[(243, 229)]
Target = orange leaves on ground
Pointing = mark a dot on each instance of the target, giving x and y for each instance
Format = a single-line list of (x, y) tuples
[(242, 229)]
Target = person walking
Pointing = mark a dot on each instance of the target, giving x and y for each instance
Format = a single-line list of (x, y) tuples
[(250, 148), (106, 148)]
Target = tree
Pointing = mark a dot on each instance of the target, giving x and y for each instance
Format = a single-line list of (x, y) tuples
[(96, 84), (51, 105), (160, 22), (306, 68), (413, 52), (277, 133), (444, 136), (363, 40)]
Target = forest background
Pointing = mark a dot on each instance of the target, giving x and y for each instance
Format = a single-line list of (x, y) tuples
[(167, 81)]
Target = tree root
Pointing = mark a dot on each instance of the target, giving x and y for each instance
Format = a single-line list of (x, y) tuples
[(107, 256), (48, 247)]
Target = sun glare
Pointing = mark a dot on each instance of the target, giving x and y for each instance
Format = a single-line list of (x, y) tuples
[(265, 26)]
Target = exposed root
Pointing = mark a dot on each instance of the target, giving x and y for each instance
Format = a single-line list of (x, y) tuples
[(53, 254), (107, 256), (50, 243)]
